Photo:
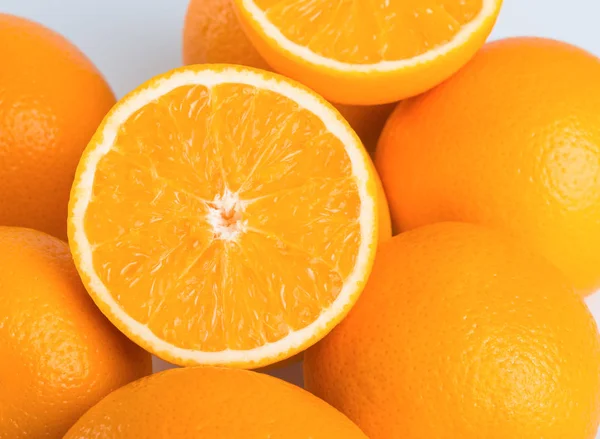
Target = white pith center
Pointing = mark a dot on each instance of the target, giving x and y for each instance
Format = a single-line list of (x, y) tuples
[(225, 216)]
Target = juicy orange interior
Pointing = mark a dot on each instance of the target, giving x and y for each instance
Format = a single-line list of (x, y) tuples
[(370, 31), (224, 218)]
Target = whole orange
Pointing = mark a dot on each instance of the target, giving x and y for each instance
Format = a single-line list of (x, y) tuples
[(59, 354), (52, 99), (511, 141), (212, 34), (462, 333), (210, 402)]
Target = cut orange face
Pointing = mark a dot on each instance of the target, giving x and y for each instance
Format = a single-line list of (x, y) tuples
[(224, 215), (366, 52)]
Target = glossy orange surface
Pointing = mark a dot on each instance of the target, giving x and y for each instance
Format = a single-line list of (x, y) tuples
[(59, 354), (52, 99), (511, 141), (212, 403), (462, 332)]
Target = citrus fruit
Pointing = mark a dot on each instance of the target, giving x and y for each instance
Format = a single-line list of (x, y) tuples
[(51, 101), (462, 333), (212, 34), (224, 215), (511, 141), (59, 354), (212, 403), (364, 52)]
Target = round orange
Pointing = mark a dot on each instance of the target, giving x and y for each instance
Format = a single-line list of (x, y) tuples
[(212, 34), (212, 403), (59, 354), (52, 99), (511, 141), (462, 333)]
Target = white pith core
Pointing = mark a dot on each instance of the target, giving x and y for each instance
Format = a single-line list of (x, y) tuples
[(225, 216)]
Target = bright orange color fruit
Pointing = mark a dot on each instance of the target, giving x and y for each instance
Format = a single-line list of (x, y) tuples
[(224, 215), (59, 355), (211, 402), (462, 332), (367, 52), (52, 99), (212, 34), (511, 141)]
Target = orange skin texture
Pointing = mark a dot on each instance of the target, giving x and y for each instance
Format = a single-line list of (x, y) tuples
[(212, 403), (464, 333), (212, 34), (60, 356), (511, 141), (52, 99)]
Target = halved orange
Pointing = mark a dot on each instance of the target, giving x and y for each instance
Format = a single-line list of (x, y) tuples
[(224, 215), (366, 52)]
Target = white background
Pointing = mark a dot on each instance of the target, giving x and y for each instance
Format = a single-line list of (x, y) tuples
[(133, 40)]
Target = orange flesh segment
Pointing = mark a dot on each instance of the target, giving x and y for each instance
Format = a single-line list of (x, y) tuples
[(370, 31), (224, 218)]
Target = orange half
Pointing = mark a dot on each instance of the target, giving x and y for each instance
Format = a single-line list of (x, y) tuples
[(367, 52), (224, 215)]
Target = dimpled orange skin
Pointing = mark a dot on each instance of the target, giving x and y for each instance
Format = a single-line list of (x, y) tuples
[(511, 141), (212, 403), (59, 354), (462, 333), (212, 34), (52, 99)]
